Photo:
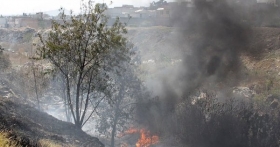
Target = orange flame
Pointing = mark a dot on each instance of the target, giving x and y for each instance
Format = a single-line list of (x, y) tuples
[(146, 139)]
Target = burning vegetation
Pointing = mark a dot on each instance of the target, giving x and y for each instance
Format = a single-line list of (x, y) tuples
[(146, 139), (212, 38), (196, 98)]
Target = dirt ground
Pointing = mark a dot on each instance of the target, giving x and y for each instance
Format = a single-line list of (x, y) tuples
[(28, 127)]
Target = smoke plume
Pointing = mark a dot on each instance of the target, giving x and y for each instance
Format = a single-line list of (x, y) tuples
[(211, 37)]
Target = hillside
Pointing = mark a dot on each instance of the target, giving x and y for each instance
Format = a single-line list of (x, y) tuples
[(158, 49), (26, 126)]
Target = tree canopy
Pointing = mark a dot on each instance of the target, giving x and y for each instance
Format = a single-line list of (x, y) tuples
[(85, 51)]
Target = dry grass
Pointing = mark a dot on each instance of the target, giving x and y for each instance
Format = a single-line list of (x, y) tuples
[(50, 143), (264, 74), (5, 141)]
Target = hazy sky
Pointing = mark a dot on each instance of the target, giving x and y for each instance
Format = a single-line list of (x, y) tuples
[(12, 7)]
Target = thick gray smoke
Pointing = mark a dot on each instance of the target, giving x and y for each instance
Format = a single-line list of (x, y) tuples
[(219, 39), (212, 37)]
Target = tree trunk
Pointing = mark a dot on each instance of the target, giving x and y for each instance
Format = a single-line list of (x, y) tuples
[(66, 106), (113, 135), (35, 86), (69, 98), (78, 122), (116, 119), (114, 127)]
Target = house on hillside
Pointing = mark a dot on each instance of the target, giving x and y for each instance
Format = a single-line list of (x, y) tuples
[(29, 22), (163, 12), (14, 22), (265, 1), (144, 13), (124, 11), (10, 22), (39, 15), (18, 22), (271, 2), (22, 21), (170, 8), (3, 22)]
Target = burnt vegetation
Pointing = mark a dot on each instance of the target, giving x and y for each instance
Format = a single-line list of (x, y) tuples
[(95, 78), (211, 62), (210, 123)]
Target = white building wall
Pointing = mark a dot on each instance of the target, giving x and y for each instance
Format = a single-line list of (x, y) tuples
[(3, 22), (266, 1)]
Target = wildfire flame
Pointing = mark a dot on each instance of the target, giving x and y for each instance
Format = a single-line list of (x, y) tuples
[(146, 139)]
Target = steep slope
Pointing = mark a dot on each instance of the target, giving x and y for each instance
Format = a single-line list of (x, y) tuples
[(26, 126)]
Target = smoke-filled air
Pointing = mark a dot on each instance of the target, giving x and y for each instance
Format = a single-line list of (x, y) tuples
[(183, 73)]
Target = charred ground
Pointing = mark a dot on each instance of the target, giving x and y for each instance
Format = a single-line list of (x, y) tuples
[(24, 125)]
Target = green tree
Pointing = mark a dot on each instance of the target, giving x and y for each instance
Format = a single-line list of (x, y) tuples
[(85, 51)]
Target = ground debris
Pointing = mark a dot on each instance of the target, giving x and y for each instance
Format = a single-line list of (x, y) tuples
[(28, 126)]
